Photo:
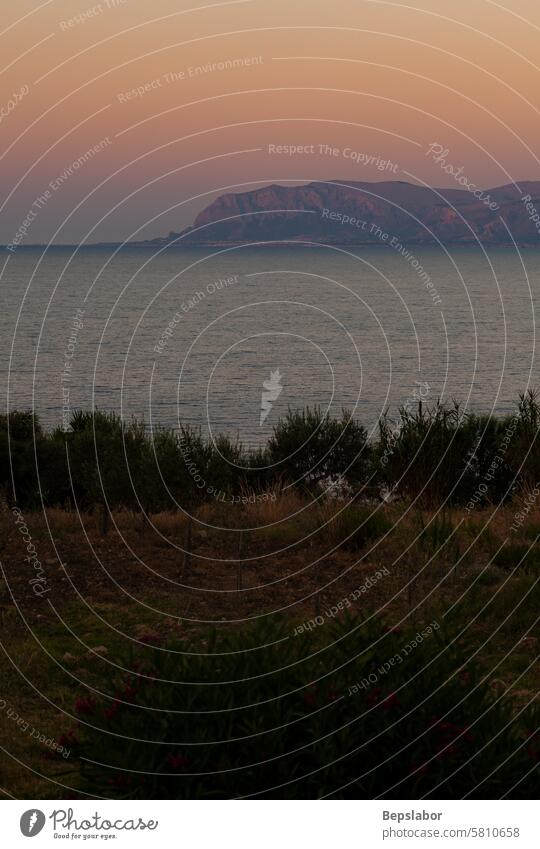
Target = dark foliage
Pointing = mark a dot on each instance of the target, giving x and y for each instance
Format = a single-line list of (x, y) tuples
[(263, 713), (438, 455)]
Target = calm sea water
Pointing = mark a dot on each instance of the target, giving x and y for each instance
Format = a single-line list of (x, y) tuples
[(190, 336)]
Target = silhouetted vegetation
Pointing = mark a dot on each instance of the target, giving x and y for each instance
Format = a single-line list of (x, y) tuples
[(434, 455)]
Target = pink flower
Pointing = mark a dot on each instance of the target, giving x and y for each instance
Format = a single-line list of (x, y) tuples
[(391, 701), (177, 762), (110, 712), (119, 781), (151, 639), (85, 705), (309, 697), (68, 740), (532, 749), (374, 696)]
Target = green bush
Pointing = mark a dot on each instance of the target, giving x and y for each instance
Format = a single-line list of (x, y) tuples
[(19, 434), (23, 425), (355, 526), (441, 455), (273, 713), (438, 455), (308, 447), (524, 448), (96, 446)]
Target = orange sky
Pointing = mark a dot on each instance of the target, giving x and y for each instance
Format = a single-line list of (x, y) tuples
[(380, 79)]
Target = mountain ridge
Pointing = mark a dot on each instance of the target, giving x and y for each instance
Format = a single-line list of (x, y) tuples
[(352, 212)]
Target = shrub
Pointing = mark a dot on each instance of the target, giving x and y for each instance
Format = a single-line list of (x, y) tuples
[(437, 534), (355, 526), (434, 455), (23, 425), (441, 455), (55, 487), (19, 432), (224, 470), (308, 446), (524, 448), (97, 457), (259, 712)]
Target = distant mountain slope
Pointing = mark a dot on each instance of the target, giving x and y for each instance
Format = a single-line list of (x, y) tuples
[(367, 213)]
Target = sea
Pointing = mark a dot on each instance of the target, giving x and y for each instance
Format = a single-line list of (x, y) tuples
[(205, 336)]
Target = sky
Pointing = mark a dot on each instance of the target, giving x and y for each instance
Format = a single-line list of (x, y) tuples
[(122, 119)]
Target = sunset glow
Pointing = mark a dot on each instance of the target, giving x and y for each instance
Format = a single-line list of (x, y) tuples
[(186, 102)]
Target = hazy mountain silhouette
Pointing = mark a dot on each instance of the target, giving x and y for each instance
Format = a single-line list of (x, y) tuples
[(318, 212)]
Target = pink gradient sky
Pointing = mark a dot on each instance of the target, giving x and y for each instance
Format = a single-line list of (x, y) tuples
[(384, 79)]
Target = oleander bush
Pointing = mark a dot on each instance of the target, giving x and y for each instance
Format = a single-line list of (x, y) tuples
[(351, 710)]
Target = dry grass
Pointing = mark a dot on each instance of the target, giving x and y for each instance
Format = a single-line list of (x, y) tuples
[(115, 588)]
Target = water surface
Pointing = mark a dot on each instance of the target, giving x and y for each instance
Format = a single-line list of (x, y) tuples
[(190, 335)]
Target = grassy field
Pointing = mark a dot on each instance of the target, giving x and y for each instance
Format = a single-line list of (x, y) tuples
[(113, 601)]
